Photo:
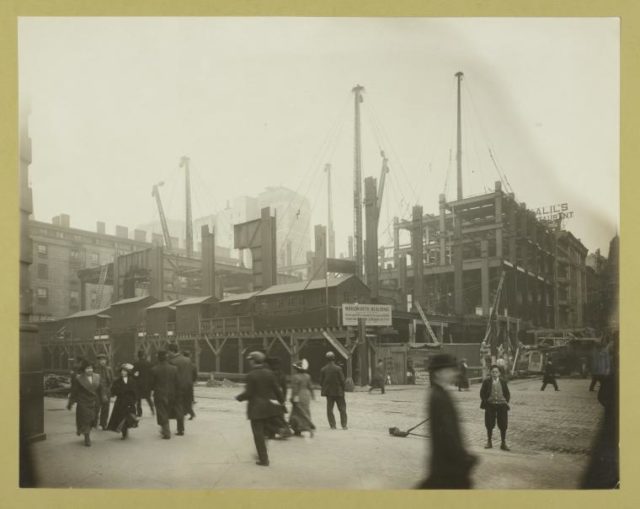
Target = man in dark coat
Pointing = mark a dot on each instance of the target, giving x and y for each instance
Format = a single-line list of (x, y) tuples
[(86, 392), (280, 427), (332, 383), (263, 394), (494, 399), (142, 373), (450, 464), (106, 378), (185, 385), (165, 388), (379, 377), (549, 376), (194, 379)]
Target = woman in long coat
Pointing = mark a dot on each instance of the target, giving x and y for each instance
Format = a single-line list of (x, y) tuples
[(123, 415), (301, 396), (463, 379), (86, 394)]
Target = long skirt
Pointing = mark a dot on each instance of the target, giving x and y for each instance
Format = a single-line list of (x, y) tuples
[(300, 418), (123, 415), (86, 414)]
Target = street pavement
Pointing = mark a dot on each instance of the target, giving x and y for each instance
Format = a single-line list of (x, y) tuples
[(550, 434)]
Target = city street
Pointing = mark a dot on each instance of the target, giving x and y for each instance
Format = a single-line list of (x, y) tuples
[(550, 435)]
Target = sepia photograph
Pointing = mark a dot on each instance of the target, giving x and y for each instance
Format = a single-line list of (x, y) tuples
[(319, 253)]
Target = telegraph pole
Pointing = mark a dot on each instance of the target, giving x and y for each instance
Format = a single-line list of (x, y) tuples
[(357, 184), (459, 75)]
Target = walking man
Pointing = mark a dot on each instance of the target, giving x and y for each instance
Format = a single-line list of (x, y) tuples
[(450, 463), (332, 383), (106, 379), (263, 395), (164, 384), (142, 373), (495, 396), (600, 366), (185, 385), (379, 377), (194, 378), (549, 376)]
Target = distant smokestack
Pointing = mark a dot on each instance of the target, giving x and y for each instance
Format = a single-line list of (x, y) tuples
[(122, 231), (101, 227)]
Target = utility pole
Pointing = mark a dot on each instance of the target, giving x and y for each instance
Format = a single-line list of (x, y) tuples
[(331, 233), (459, 75), (184, 162), (357, 184)]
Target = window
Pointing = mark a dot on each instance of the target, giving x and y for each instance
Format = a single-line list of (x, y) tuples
[(74, 255), (43, 271), (94, 259), (42, 294), (42, 250), (74, 299)]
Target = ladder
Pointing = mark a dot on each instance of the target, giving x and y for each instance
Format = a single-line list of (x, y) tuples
[(426, 322), (494, 310), (101, 281)]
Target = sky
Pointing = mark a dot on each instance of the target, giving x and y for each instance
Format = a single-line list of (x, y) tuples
[(254, 102)]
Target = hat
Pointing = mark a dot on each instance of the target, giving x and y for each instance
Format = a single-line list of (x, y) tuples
[(330, 355), (101, 356), (256, 357), (442, 360), (127, 366), (302, 365)]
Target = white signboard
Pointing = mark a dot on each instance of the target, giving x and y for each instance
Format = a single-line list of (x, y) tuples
[(372, 314)]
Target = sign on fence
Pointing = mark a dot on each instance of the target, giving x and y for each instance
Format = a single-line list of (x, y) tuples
[(372, 314)]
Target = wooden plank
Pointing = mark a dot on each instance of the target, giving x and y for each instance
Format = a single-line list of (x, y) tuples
[(284, 343), (337, 345)]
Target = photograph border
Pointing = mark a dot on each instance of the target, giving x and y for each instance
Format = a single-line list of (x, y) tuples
[(629, 494)]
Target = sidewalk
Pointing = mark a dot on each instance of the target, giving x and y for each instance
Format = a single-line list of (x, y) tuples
[(550, 434)]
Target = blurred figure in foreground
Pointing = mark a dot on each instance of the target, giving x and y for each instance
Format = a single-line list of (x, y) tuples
[(450, 464)]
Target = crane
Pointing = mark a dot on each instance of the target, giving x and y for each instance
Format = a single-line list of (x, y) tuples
[(184, 163), (383, 173), (165, 229)]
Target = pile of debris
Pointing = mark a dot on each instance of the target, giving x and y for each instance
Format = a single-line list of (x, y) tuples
[(56, 385)]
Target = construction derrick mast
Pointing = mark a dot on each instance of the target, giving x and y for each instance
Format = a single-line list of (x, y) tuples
[(184, 163), (163, 220), (357, 184)]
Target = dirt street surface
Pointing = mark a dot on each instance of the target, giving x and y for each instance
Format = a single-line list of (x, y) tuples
[(549, 434)]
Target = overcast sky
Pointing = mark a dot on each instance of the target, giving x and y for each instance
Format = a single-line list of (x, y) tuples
[(115, 103)]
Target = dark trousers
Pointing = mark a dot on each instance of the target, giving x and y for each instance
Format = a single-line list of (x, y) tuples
[(342, 408), (594, 380), (499, 413), (103, 413), (551, 381), (258, 427), (139, 406)]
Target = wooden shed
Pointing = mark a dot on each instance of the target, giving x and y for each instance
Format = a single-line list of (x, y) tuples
[(189, 313), (129, 314), (88, 324), (161, 318)]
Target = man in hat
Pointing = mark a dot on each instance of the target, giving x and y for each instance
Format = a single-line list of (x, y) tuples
[(165, 388), (495, 396), (106, 379), (142, 374), (185, 385), (450, 464), (263, 395), (549, 375), (332, 383)]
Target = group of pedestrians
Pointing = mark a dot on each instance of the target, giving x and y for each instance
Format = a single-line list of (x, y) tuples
[(170, 380)]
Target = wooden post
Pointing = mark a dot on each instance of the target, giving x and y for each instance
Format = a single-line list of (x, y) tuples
[(240, 356), (349, 361)]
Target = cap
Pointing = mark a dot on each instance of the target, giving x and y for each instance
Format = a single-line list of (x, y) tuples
[(330, 355), (256, 357), (101, 356), (127, 366), (442, 360)]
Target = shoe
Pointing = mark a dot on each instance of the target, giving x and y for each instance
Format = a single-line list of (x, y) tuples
[(333, 427), (180, 433), (345, 428), (504, 446), (262, 463), (488, 445), (87, 441), (192, 417), (166, 437)]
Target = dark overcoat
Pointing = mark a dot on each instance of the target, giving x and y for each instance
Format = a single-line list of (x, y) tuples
[(164, 384), (549, 373), (106, 377), (125, 406), (332, 380), (379, 377), (485, 392), (142, 369), (450, 464), (261, 391), (87, 397), (185, 370)]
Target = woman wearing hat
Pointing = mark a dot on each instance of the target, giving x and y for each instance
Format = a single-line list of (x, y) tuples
[(87, 395), (125, 390), (301, 396), (450, 464)]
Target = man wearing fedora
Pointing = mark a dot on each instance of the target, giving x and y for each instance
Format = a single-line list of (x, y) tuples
[(450, 464), (106, 379), (166, 391), (332, 383), (263, 396)]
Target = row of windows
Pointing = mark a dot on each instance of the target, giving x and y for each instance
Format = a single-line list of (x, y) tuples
[(93, 258), (42, 296)]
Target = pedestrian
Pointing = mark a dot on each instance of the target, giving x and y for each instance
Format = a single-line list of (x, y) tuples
[(549, 375), (600, 365), (379, 377), (450, 464), (165, 389), (87, 394), (185, 385), (301, 396), (125, 390), (278, 427), (106, 378), (495, 396), (463, 379), (194, 379), (142, 374), (263, 395), (332, 383)]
